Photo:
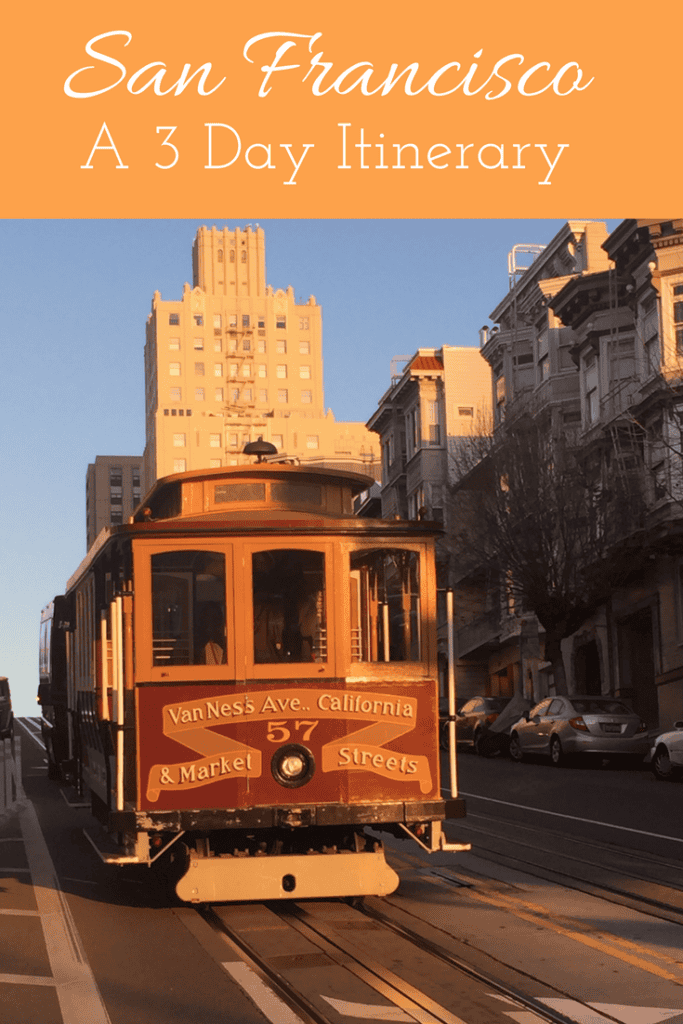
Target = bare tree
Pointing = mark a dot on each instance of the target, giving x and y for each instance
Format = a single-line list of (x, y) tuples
[(555, 520)]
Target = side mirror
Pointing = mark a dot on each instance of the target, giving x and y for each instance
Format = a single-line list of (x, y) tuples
[(678, 725)]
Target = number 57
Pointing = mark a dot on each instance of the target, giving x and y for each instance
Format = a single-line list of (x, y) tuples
[(278, 733)]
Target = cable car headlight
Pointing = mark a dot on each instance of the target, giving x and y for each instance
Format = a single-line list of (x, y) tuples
[(292, 766)]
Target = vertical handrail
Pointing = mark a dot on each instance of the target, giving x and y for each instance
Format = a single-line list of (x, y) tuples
[(118, 641), (451, 693), (104, 648), (117, 691), (114, 662)]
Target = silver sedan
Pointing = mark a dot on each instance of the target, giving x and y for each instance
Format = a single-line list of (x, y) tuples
[(667, 754), (560, 727)]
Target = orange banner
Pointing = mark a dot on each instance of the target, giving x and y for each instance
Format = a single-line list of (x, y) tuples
[(331, 110)]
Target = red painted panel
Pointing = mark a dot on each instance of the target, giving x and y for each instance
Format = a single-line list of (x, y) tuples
[(209, 746)]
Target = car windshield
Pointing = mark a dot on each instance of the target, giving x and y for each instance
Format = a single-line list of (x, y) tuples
[(594, 706)]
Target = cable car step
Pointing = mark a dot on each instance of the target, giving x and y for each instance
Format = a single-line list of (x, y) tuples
[(108, 850)]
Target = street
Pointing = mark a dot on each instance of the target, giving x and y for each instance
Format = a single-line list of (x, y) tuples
[(625, 806), (568, 907)]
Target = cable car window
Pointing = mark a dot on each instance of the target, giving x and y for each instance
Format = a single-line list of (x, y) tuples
[(294, 493), (188, 608), (289, 606), (385, 605), (239, 492)]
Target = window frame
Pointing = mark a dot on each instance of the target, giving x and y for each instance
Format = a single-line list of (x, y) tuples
[(427, 665), (145, 669), (287, 670), (674, 300)]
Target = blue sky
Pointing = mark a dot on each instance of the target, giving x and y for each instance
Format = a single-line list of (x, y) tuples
[(76, 296)]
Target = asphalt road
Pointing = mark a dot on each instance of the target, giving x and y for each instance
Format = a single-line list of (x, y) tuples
[(620, 805)]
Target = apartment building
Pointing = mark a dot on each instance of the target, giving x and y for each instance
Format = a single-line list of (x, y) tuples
[(438, 399), (628, 351), (588, 345), (529, 348), (532, 372), (436, 403), (113, 490), (233, 360)]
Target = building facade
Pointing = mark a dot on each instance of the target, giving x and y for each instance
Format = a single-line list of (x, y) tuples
[(438, 400), (532, 372), (113, 490), (529, 348), (435, 405), (588, 345), (628, 350), (234, 360)]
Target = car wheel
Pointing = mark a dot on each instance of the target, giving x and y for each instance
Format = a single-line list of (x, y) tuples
[(662, 767), (515, 748), (556, 752)]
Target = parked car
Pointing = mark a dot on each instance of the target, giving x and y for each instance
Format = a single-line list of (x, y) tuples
[(560, 727), (494, 738), (474, 716), (667, 754), (6, 715)]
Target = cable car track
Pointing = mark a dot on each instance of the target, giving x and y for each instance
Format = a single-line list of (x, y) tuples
[(330, 929), (536, 843)]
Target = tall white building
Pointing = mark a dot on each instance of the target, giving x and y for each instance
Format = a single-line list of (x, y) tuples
[(234, 360)]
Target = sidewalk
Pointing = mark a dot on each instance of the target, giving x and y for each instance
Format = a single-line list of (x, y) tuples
[(45, 977), (27, 989)]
